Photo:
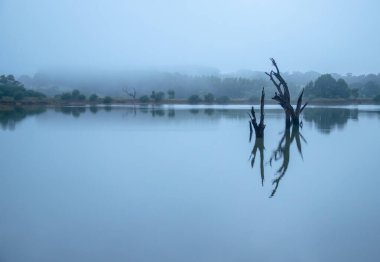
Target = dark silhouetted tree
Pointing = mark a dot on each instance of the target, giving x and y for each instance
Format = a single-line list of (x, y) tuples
[(194, 99), (171, 94), (253, 125), (282, 96), (209, 98), (327, 87), (144, 99)]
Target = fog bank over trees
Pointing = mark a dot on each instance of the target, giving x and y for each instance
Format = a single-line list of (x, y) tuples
[(186, 81)]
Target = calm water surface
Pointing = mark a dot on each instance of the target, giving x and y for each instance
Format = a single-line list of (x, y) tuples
[(179, 184)]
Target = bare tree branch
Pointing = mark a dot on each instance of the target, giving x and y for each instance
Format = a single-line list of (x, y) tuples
[(283, 97), (262, 108), (131, 94), (303, 107), (277, 85), (299, 103)]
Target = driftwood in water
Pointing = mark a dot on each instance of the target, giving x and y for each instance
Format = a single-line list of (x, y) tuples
[(283, 97), (253, 125)]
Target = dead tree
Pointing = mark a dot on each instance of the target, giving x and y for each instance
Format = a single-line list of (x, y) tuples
[(133, 96), (259, 128), (282, 96), (130, 94)]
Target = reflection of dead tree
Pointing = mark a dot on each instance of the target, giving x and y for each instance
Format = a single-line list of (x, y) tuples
[(283, 152), (259, 144), (283, 97), (259, 132), (259, 128)]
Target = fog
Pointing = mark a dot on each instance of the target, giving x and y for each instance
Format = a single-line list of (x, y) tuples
[(326, 36)]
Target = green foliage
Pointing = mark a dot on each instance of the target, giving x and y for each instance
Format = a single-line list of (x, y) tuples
[(65, 96), (157, 97), (355, 93), (327, 87), (209, 98), (11, 88), (144, 99), (377, 99), (75, 95), (93, 98), (107, 100), (7, 99), (370, 89), (223, 100), (194, 99), (171, 94)]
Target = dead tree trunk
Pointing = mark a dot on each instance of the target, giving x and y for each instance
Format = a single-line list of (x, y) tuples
[(259, 128), (292, 116), (131, 94)]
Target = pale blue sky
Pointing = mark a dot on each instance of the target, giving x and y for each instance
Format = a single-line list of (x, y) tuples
[(326, 36)]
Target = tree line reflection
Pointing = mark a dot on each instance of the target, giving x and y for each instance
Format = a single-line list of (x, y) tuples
[(323, 119), (327, 119), (9, 117)]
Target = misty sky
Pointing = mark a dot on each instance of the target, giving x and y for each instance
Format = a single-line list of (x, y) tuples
[(325, 35)]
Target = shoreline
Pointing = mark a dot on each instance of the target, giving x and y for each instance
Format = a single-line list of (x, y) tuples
[(121, 102)]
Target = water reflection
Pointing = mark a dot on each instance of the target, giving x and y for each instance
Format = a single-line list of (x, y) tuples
[(74, 111), (154, 111), (9, 117), (99, 182), (93, 109), (171, 113), (282, 154), (209, 111), (158, 112), (324, 120), (194, 111), (259, 145), (327, 119)]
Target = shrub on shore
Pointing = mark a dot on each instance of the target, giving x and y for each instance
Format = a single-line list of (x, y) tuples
[(377, 99), (93, 98), (194, 99), (107, 100), (209, 98), (144, 99), (75, 95)]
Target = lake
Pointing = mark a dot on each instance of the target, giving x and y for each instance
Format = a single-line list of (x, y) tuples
[(177, 183)]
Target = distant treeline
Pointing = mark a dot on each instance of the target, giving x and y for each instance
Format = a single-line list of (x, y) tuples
[(12, 90), (245, 85), (326, 86), (183, 85)]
